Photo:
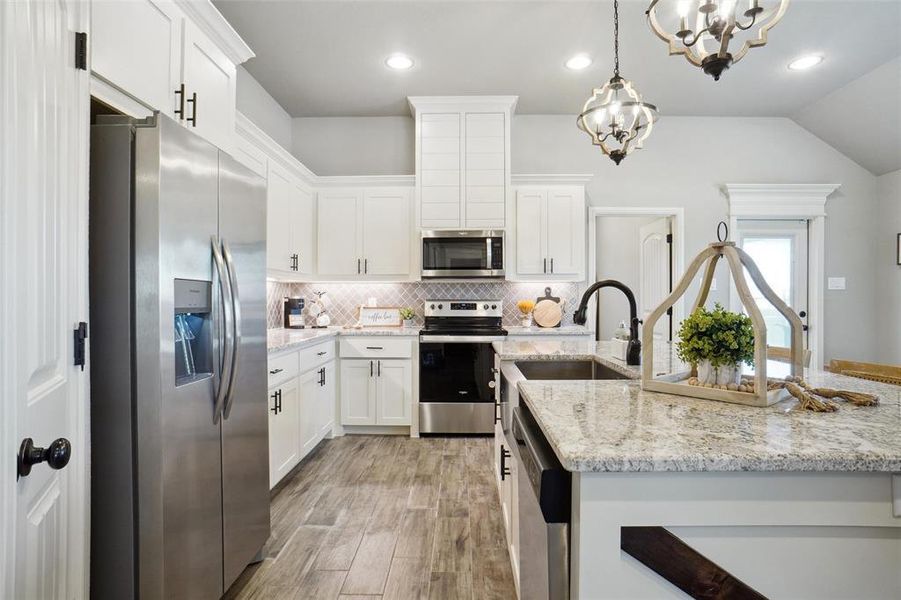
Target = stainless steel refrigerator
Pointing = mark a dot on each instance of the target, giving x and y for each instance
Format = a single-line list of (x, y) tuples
[(179, 434)]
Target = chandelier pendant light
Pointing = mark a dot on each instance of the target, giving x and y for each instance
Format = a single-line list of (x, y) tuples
[(702, 30), (615, 116)]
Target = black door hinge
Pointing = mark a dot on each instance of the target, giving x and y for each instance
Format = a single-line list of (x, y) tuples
[(81, 50), (669, 238), (80, 334)]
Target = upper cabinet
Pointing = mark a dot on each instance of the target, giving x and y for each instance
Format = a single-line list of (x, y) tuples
[(175, 57), (364, 232), (462, 160), (549, 236)]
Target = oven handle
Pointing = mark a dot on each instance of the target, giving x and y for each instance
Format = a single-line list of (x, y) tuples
[(460, 339)]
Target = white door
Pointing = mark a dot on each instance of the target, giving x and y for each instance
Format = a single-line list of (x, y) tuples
[(565, 227), (654, 272), (394, 384), (358, 392), (301, 219), (386, 232), (339, 232), (209, 74), (136, 45), (309, 410), (326, 400), (779, 248), (43, 295), (284, 430), (280, 207), (531, 242)]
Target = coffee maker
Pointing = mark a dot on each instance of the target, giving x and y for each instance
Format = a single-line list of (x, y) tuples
[(293, 313)]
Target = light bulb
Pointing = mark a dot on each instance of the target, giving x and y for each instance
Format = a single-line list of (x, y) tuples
[(726, 8), (614, 108), (599, 116)]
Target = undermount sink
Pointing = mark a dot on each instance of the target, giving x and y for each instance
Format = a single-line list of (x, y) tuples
[(566, 370)]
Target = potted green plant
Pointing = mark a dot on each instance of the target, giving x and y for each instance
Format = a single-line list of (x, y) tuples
[(407, 315), (716, 342)]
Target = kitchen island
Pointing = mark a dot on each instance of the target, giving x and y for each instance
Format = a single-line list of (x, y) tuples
[(792, 503)]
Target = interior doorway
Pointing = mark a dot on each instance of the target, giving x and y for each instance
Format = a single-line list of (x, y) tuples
[(642, 248)]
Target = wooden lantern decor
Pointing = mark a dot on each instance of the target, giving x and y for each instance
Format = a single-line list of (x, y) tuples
[(678, 383)]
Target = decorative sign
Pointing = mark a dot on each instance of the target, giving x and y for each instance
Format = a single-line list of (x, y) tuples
[(380, 316)]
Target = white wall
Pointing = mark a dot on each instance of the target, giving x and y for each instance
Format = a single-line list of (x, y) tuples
[(618, 257), (685, 163), (261, 108), (355, 145), (888, 272)]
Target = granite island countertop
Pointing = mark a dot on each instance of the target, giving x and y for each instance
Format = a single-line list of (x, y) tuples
[(279, 340), (614, 426), (563, 330)]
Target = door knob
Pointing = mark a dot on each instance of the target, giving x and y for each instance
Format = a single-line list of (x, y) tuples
[(56, 455)]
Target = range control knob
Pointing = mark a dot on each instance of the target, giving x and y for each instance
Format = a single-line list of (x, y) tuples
[(432, 307), (485, 306), (493, 306), (440, 306)]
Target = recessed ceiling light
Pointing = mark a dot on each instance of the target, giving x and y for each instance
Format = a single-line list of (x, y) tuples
[(399, 62), (578, 62), (803, 63)]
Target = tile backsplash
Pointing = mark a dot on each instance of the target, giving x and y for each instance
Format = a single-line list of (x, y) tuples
[(347, 297)]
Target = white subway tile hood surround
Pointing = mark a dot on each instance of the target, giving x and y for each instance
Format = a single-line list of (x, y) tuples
[(346, 297)]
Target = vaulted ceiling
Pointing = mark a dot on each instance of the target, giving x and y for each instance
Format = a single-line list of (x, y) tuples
[(327, 58)]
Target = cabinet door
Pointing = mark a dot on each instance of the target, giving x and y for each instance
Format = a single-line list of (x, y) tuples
[(309, 411), (485, 174), (531, 240), (301, 221), (358, 392), (394, 384), (280, 211), (136, 46), (440, 170), (386, 232), (339, 233), (284, 434), (565, 231), (326, 406), (207, 72)]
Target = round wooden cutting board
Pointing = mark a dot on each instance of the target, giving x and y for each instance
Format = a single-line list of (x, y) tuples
[(547, 313)]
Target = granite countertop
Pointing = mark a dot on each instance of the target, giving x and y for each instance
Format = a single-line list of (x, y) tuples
[(574, 330), (614, 426), (279, 340)]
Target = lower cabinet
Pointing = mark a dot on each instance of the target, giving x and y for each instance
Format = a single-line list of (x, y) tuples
[(284, 429), (302, 396), (376, 391), (506, 470)]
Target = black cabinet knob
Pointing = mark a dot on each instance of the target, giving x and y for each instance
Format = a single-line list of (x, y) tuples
[(802, 314), (56, 455)]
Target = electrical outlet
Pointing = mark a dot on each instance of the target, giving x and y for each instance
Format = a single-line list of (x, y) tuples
[(836, 283)]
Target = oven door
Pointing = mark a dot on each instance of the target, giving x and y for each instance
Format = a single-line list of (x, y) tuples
[(453, 254), (456, 384)]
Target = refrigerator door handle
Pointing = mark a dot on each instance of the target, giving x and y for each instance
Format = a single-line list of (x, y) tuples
[(227, 316), (236, 326)]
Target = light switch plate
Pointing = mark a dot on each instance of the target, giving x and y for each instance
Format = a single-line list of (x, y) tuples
[(836, 283)]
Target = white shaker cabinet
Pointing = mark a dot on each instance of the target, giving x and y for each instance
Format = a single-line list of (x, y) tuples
[(136, 46), (209, 78), (394, 391), (358, 404), (376, 380), (549, 238), (364, 233), (284, 429), (289, 232)]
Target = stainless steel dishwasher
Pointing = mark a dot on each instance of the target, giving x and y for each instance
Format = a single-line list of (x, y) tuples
[(545, 491)]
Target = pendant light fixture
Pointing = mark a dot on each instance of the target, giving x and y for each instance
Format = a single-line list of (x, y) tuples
[(703, 29), (615, 116)]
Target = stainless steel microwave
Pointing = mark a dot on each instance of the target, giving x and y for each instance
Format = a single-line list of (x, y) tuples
[(462, 254)]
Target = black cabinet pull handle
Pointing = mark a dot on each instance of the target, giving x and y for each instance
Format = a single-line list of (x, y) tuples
[(545, 264), (180, 111), (552, 265), (56, 455), (380, 368), (504, 456), (323, 353), (279, 400), (370, 368), (193, 118), (275, 371), (497, 412), (358, 266), (375, 347), (365, 265)]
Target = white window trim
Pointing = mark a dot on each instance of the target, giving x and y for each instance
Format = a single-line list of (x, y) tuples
[(790, 201)]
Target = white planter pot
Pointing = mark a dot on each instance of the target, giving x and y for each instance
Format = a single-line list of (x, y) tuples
[(527, 321), (722, 375), (408, 322)]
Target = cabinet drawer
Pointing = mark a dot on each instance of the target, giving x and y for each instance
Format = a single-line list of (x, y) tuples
[(282, 368), (376, 347), (316, 356)]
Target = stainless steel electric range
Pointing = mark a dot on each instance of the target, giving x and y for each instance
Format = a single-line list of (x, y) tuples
[(456, 362)]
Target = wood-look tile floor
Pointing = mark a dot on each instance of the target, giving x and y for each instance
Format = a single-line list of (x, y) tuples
[(386, 516)]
